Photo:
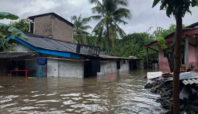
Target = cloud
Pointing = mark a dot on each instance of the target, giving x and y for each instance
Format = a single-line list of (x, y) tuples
[(143, 15)]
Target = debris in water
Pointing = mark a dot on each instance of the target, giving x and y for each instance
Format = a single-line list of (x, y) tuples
[(188, 90), (111, 78)]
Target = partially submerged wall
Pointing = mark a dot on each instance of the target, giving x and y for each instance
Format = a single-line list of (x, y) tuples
[(32, 65), (52, 67), (71, 69), (64, 68), (110, 67)]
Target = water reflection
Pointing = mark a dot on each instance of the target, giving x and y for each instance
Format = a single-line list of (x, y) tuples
[(124, 94)]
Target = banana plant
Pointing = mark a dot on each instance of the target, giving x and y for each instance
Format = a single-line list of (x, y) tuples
[(9, 31)]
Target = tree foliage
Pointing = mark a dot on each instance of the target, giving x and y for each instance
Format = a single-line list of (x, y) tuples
[(132, 45), (110, 13), (162, 33), (7, 30), (22, 24), (162, 43), (80, 28), (6, 15), (178, 8), (173, 6)]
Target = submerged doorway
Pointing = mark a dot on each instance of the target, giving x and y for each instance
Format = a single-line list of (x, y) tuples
[(16, 65)]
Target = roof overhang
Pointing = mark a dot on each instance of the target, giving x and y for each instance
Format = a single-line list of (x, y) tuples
[(10, 55), (169, 38), (51, 13), (45, 51)]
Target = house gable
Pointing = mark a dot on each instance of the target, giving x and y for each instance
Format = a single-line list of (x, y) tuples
[(45, 51)]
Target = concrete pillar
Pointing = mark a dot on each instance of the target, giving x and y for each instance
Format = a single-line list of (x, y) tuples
[(186, 52), (147, 58)]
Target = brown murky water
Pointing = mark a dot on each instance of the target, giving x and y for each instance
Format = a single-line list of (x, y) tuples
[(125, 94)]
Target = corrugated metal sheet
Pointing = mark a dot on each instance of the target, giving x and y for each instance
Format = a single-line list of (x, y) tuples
[(190, 81), (15, 55), (186, 76), (50, 43)]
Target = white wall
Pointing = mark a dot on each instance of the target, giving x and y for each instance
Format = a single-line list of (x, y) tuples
[(52, 67), (124, 67), (109, 67), (21, 47), (63, 68), (71, 69)]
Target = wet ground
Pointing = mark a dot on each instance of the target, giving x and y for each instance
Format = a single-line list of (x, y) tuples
[(125, 94)]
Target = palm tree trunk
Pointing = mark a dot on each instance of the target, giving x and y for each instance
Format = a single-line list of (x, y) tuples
[(176, 82), (108, 42)]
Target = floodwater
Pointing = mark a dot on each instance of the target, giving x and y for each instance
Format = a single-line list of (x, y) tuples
[(123, 94)]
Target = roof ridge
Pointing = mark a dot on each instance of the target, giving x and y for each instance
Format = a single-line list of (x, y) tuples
[(51, 38), (51, 13)]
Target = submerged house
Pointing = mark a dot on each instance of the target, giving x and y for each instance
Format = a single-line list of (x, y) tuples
[(50, 37), (189, 48)]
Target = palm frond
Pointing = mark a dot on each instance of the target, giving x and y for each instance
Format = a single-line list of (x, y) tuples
[(86, 20), (97, 2), (97, 9), (122, 2), (86, 27), (85, 32), (122, 12), (120, 31), (99, 38), (121, 21), (96, 17), (74, 18), (79, 29), (79, 18), (98, 26)]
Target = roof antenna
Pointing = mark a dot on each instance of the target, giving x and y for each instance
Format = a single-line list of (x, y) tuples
[(156, 24)]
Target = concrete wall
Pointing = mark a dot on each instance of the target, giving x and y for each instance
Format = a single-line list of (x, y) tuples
[(62, 30), (63, 68), (43, 25), (163, 61), (71, 69), (193, 56), (192, 52), (109, 67), (196, 54), (21, 47), (52, 67), (124, 66)]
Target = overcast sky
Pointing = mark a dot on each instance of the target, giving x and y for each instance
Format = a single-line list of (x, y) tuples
[(143, 15)]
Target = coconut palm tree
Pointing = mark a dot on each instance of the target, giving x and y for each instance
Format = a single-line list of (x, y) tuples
[(110, 13), (80, 28)]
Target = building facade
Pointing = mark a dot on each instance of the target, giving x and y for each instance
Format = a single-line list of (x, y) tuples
[(50, 37), (51, 25), (189, 48)]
